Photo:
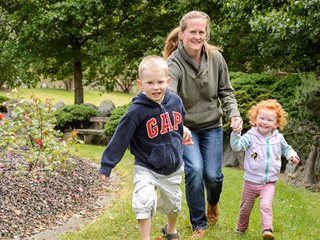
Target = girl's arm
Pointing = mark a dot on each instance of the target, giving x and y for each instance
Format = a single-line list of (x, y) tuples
[(238, 142)]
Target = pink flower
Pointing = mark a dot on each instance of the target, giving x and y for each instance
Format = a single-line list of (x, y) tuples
[(4, 104), (39, 142)]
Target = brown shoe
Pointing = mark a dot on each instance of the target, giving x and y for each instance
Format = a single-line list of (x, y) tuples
[(212, 214), (198, 233)]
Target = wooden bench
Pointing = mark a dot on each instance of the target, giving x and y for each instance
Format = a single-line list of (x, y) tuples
[(89, 134), (99, 122)]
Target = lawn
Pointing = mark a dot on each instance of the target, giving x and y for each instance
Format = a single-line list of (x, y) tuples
[(296, 211), (296, 214), (94, 97)]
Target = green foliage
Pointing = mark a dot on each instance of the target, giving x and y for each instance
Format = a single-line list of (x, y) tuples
[(249, 89), (307, 97), (30, 132), (74, 116), (284, 91), (304, 127), (3, 101), (296, 22), (115, 117), (252, 88), (254, 84)]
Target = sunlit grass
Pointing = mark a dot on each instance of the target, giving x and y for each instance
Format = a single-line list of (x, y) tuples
[(295, 210), (94, 97)]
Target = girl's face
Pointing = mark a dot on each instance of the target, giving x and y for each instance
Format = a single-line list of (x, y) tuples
[(154, 84), (193, 36), (266, 122)]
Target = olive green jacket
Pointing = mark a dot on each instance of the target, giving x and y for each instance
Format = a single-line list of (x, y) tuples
[(205, 89)]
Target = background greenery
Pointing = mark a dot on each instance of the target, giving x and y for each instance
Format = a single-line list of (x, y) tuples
[(102, 42)]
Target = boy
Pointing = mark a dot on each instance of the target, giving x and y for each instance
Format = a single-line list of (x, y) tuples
[(153, 129)]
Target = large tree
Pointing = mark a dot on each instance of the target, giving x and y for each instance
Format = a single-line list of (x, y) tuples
[(56, 38), (85, 39)]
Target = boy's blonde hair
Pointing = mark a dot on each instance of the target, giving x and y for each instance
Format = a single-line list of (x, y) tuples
[(270, 105), (153, 63)]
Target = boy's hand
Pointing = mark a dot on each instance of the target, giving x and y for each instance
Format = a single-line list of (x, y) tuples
[(103, 178), (187, 137), (295, 160)]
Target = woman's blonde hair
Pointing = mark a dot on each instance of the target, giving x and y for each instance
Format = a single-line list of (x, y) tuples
[(270, 105), (172, 40)]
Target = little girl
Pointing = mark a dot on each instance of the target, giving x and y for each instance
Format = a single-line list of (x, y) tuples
[(263, 146)]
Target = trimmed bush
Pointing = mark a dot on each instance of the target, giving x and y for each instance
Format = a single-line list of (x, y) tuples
[(74, 116), (115, 117)]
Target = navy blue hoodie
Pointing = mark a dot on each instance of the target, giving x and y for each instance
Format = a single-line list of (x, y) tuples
[(153, 133)]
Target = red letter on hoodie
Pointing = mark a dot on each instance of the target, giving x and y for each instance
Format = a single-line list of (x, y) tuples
[(166, 123), (177, 120), (152, 128)]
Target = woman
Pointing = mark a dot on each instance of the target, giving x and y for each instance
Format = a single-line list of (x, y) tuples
[(199, 75)]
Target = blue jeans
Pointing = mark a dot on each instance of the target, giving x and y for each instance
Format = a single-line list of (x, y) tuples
[(203, 171)]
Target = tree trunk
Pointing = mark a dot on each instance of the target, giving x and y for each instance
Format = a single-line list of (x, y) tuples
[(310, 175), (78, 86), (68, 84)]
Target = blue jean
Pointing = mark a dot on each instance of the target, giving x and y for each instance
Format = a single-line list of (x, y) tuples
[(203, 172)]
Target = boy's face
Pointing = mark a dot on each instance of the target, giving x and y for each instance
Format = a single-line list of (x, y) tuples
[(266, 122), (154, 84)]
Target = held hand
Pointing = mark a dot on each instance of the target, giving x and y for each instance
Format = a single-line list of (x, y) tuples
[(295, 160), (103, 178), (236, 124), (187, 137)]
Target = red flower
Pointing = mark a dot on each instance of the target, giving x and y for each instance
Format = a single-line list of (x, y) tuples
[(1, 116), (39, 142)]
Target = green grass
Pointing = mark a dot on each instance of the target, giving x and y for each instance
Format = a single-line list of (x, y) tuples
[(94, 97), (296, 211)]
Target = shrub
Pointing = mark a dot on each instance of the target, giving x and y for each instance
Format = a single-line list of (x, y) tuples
[(115, 117), (74, 116), (284, 90), (28, 138), (304, 126), (254, 84)]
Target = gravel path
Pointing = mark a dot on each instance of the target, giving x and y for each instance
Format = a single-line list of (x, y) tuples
[(34, 207)]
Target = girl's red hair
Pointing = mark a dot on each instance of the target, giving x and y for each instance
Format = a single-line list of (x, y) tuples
[(270, 105)]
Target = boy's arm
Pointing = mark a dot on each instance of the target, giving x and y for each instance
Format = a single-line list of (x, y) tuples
[(117, 146), (238, 142)]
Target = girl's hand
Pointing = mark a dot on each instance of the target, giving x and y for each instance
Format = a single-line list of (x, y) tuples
[(295, 160)]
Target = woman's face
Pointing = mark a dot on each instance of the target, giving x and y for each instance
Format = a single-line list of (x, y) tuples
[(193, 36)]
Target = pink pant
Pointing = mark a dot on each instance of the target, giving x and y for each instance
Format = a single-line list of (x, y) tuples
[(250, 192)]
